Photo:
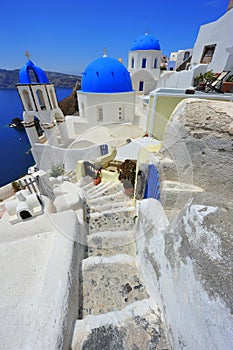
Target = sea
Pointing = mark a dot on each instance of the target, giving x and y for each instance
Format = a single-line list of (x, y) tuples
[(15, 154)]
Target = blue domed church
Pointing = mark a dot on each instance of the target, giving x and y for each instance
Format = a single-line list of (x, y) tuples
[(106, 94), (144, 63), (39, 101)]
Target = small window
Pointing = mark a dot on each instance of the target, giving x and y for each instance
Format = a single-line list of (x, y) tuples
[(100, 114), (208, 53), (144, 63), (132, 62), (141, 83), (186, 55), (155, 63)]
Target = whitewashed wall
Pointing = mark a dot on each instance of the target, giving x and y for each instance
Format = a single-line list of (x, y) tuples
[(220, 33)]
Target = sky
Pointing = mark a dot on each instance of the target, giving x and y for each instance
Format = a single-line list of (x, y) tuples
[(66, 35)]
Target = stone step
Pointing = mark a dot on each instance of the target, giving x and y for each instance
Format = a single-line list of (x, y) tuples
[(110, 283), (111, 243), (175, 195), (102, 206), (97, 189), (137, 326), (120, 219), (116, 197), (111, 188), (84, 182)]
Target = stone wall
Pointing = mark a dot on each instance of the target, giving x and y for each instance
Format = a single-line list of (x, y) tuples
[(188, 270), (199, 140), (187, 263)]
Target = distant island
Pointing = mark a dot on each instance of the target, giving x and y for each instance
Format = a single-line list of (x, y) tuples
[(9, 78)]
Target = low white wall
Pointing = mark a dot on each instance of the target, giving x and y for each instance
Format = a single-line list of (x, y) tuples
[(177, 266), (52, 155), (58, 305), (183, 79)]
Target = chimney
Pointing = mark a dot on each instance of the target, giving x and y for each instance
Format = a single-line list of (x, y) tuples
[(230, 5)]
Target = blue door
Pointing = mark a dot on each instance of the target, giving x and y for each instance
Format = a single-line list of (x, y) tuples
[(141, 83), (152, 189)]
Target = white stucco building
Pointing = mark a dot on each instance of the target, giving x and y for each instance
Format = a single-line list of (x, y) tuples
[(178, 58), (144, 63), (213, 50)]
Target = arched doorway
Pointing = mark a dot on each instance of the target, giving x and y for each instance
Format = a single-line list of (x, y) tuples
[(24, 214)]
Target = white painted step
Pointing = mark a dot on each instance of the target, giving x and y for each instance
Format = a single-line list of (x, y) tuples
[(119, 196), (98, 189), (111, 188)]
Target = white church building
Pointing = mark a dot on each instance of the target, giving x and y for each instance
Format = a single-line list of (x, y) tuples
[(106, 94), (144, 63)]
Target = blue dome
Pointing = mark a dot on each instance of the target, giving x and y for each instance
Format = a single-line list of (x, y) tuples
[(146, 42), (106, 75), (24, 76)]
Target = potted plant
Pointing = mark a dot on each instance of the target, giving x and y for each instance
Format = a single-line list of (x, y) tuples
[(202, 79), (97, 178), (227, 85), (127, 174)]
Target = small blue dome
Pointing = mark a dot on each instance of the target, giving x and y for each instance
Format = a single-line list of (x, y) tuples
[(106, 75), (146, 42), (24, 76)]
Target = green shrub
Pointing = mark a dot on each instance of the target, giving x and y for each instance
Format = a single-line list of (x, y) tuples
[(57, 170)]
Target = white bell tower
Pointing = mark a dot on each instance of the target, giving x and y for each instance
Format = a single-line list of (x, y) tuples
[(39, 100)]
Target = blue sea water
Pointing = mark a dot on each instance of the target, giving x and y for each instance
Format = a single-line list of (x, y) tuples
[(15, 155)]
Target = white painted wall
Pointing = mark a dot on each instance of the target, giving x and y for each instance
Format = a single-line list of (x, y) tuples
[(150, 56), (110, 104), (220, 33), (149, 75), (48, 155), (149, 83), (180, 56), (183, 79)]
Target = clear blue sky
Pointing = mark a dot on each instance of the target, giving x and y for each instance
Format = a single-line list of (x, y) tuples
[(66, 35)]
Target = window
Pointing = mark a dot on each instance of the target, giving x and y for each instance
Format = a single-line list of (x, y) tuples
[(144, 63), (186, 55), (100, 113), (141, 83), (208, 53), (132, 62), (155, 63)]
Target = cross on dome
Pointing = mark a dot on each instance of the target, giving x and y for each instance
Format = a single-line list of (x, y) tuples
[(27, 54), (105, 52)]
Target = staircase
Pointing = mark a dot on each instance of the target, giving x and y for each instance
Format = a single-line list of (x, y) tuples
[(117, 312)]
